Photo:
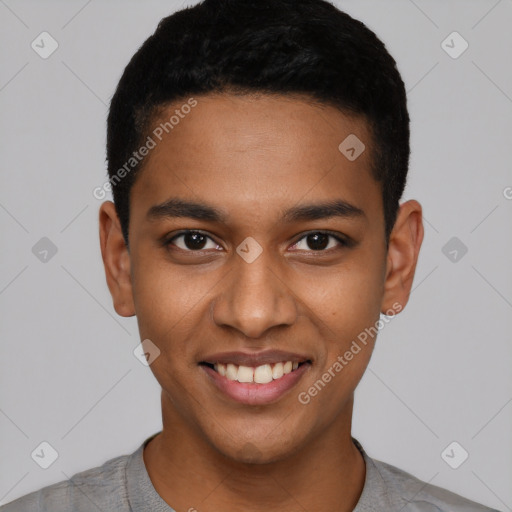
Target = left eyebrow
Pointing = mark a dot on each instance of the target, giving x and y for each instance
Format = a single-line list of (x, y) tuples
[(175, 207), (336, 208)]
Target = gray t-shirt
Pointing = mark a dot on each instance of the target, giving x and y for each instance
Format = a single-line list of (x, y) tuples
[(123, 484)]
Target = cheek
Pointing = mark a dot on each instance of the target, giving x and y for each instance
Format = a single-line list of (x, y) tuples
[(162, 295), (164, 306), (347, 324), (350, 297), (348, 311)]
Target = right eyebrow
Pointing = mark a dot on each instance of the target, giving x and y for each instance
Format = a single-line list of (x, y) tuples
[(175, 207)]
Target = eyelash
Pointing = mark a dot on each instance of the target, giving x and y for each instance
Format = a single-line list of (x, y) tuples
[(343, 242)]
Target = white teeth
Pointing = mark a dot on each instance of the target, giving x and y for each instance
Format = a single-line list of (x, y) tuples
[(277, 371), (260, 375), (263, 374), (245, 374), (231, 371)]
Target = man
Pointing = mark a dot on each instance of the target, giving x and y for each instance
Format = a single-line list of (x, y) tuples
[(257, 153)]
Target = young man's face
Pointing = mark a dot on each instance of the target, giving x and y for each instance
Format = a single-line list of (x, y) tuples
[(255, 282)]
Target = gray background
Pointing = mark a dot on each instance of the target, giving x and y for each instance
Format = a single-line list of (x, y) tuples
[(441, 370)]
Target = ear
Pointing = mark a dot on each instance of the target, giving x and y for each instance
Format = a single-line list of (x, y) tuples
[(116, 260), (403, 250)]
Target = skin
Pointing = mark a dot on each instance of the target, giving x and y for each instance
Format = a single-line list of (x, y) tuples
[(254, 157)]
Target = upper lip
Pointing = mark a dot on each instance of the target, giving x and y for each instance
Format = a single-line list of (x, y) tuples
[(254, 358)]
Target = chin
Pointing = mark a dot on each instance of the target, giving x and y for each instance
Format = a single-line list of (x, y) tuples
[(263, 450)]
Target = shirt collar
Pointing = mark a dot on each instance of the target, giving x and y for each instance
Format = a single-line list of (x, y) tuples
[(143, 496)]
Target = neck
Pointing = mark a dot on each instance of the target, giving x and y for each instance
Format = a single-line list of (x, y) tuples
[(188, 473)]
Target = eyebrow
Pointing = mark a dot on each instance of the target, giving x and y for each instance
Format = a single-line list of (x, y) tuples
[(175, 207)]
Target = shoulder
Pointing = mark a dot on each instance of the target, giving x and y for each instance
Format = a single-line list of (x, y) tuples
[(99, 488), (419, 496)]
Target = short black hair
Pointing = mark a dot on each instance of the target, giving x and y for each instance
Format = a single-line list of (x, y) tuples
[(284, 47)]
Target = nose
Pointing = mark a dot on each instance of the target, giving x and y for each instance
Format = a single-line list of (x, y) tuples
[(255, 298)]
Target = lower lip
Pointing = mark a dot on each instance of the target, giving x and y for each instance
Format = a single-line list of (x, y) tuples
[(256, 394)]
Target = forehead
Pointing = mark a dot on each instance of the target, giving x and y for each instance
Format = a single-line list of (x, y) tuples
[(255, 154)]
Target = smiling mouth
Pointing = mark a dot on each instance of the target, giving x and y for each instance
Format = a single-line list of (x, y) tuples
[(262, 374)]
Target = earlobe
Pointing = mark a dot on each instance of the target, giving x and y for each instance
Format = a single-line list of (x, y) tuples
[(403, 250), (116, 260)]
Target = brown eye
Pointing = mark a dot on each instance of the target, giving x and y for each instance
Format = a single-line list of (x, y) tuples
[(319, 241), (191, 241)]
